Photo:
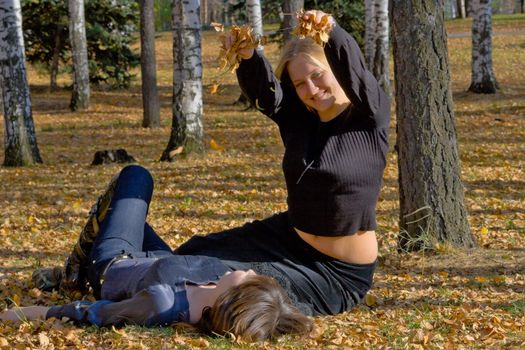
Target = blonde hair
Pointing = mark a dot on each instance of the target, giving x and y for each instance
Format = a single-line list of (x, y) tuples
[(305, 47), (255, 310)]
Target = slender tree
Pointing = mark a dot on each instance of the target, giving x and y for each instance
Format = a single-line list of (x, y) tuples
[(376, 40), (150, 94), (77, 34), (462, 10), (483, 78), (20, 138), (290, 9), (430, 187), (186, 129)]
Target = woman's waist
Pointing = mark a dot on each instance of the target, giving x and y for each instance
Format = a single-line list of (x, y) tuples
[(358, 248)]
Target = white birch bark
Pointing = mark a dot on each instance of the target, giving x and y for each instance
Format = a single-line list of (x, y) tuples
[(483, 78), (186, 129), (20, 138), (376, 41), (253, 8), (77, 34)]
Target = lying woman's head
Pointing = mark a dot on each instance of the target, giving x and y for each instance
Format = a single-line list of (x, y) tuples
[(255, 310)]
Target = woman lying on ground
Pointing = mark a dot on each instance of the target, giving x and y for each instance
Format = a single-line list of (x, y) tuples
[(138, 280), (334, 121)]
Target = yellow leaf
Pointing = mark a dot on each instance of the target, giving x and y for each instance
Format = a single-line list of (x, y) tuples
[(16, 299), (215, 146), (370, 300), (43, 339), (481, 280), (214, 88), (176, 151), (484, 231)]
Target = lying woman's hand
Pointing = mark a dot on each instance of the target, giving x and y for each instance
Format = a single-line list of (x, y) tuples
[(22, 314)]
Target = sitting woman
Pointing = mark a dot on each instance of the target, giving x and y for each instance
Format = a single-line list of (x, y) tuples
[(138, 280)]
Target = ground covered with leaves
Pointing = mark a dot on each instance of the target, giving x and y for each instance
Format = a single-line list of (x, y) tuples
[(448, 299)]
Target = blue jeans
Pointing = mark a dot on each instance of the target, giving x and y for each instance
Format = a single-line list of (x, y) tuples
[(124, 230)]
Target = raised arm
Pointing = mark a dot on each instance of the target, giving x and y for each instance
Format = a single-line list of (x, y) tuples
[(363, 90), (156, 305)]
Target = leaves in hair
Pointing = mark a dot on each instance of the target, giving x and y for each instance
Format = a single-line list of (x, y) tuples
[(317, 31), (243, 38)]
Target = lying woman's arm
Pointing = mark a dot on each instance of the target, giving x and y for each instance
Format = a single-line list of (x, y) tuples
[(156, 305), (25, 313)]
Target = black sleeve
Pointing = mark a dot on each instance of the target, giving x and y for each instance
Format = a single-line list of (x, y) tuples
[(267, 94), (361, 87)]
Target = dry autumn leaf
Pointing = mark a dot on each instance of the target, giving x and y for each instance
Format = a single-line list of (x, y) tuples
[(215, 146), (307, 28), (243, 37)]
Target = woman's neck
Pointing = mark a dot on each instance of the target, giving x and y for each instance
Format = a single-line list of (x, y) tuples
[(332, 113), (200, 297)]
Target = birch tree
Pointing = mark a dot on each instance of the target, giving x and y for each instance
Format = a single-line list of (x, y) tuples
[(376, 40), (150, 94), (430, 189), (19, 138), (290, 9), (186, 129), (483, 78), (77, 35), (462, 10)]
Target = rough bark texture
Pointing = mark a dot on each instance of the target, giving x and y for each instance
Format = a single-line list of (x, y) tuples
[(377, 44), (430, 188), (150, 94), (290, 9), (77, 36), (483, 78), (186, 129), (20, 139)]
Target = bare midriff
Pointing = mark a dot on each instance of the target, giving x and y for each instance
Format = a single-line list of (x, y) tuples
[(357, 248)]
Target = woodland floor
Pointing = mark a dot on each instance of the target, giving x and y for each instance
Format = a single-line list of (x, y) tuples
[(450, 299)]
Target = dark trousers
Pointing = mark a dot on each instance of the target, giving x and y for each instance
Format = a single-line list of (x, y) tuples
[(124, 230)]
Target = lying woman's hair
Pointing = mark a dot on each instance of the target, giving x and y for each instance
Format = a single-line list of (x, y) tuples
[(255, 310)]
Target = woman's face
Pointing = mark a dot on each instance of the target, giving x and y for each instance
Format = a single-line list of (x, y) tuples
[(317, 87)]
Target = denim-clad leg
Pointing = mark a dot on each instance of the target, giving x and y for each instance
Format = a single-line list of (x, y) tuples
[(122, 230), (152, 241)]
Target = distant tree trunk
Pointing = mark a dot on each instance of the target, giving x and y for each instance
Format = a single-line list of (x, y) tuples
[(186, 129), (150, 94), (56, 57), (290, 9), (483, 78), (430, 188), (77, 34), (462, 9), (376, 41), (20, 138), (253, 8)]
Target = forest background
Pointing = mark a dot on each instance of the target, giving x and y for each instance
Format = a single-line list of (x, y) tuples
[(447, 299)]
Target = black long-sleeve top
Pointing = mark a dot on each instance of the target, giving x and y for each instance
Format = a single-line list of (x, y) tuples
[(333, 169)]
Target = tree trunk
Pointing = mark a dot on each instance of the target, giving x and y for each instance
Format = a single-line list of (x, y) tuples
[(483, 78), (150, 94), (430, 188), (462, 11), (370, 33), (186, 129), (376, 41), (77, 35), (290, 10), (56, 58), (20, 138)]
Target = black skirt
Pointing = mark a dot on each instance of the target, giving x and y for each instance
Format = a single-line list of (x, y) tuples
[(317, 283)]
